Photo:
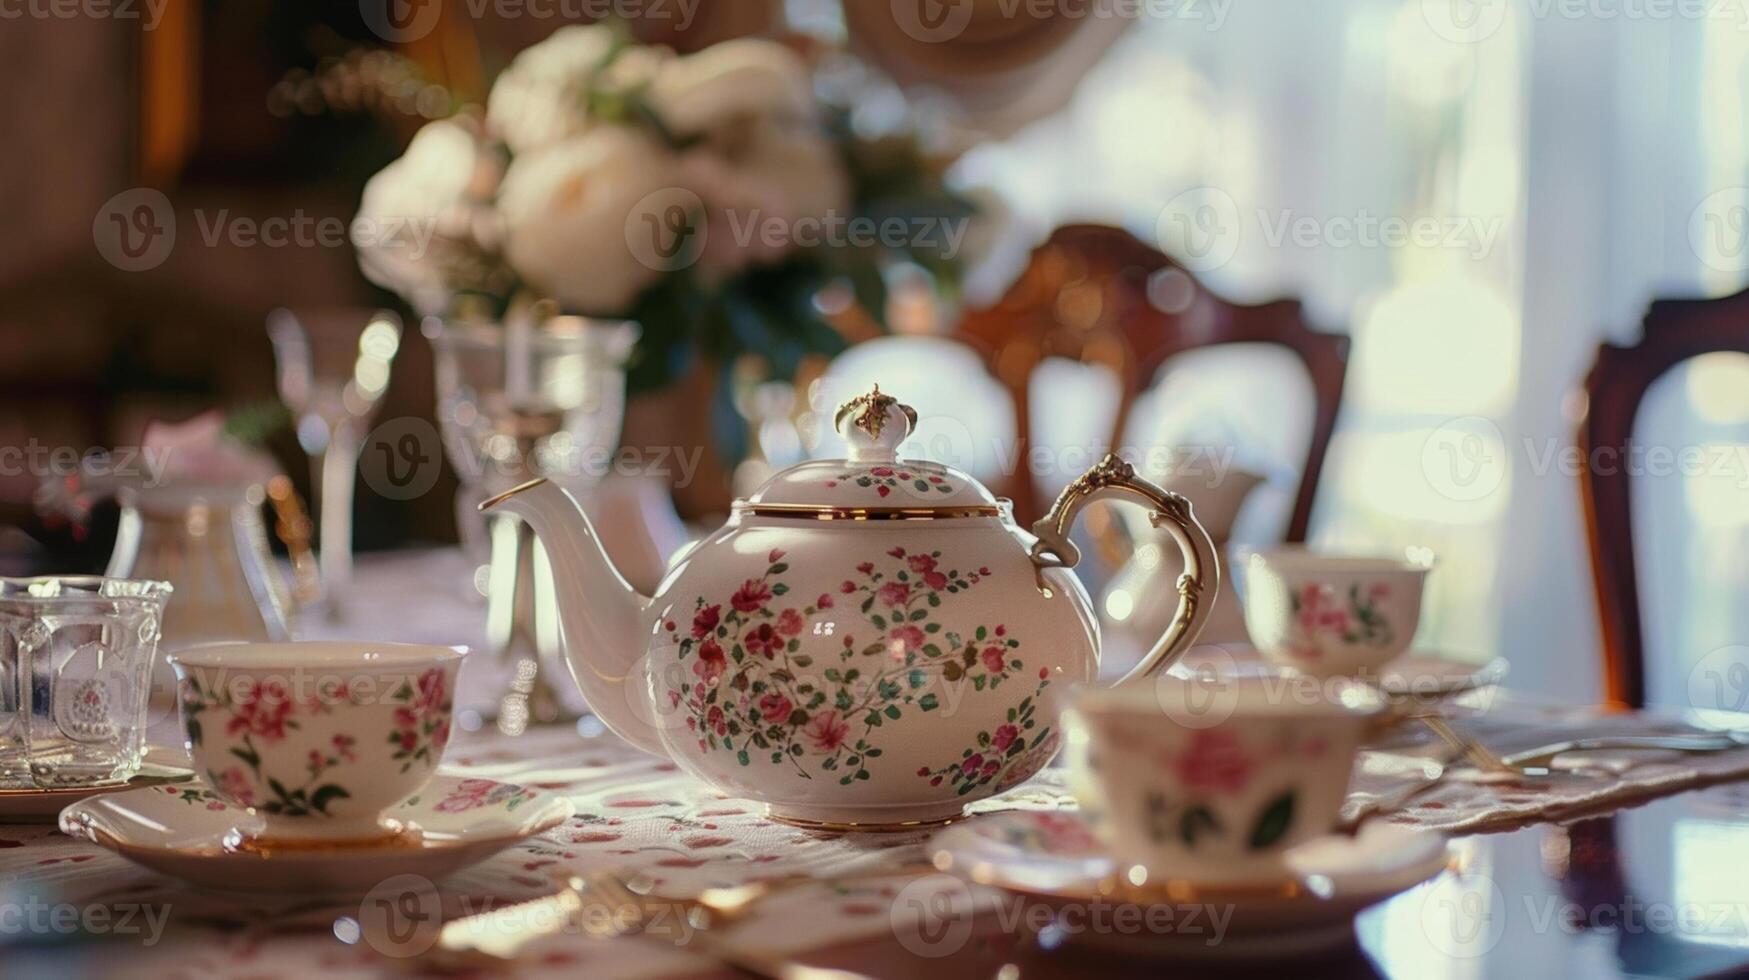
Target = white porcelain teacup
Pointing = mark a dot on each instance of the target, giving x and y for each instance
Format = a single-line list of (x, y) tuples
[(318, 739), (1211, 781), (1332, 615)]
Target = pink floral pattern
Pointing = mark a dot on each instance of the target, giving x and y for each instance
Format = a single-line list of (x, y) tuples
[(887, 478), (472, 794), (265, 713), (751, 690), (422, 721), (236, 786), (1217, 763), (1214, 762), (1006, 755), (1065, 834), (1354, 619), (196, 795)]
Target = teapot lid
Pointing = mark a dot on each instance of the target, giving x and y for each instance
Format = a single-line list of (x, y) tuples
[(872, 482)]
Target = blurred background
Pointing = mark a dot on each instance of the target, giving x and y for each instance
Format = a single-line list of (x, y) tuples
[(1338, 271)]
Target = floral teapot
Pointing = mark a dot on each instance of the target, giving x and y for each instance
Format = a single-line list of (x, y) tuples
[(867, 643)]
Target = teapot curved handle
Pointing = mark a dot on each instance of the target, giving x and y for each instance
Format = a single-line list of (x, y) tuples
[(1197, 587)]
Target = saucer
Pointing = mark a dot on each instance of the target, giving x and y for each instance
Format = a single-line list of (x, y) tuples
[(1420, 675), (1053, 858), (182, 831), (44, 805)]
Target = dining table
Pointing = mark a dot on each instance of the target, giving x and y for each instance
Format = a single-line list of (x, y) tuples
[(1643, 878)]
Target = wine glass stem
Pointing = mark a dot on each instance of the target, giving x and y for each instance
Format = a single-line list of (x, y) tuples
[(336, 471)]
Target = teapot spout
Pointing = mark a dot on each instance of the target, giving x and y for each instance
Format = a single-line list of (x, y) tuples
[(600, 615)]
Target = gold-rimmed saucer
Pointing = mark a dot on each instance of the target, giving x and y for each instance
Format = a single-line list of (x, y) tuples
[(1052, 858), (44, 805), (188, 832), (1419, 674)]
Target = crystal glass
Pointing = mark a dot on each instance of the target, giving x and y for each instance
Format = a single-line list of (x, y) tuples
[(517, 401), (333, 369), (211, 544), (75, 676)]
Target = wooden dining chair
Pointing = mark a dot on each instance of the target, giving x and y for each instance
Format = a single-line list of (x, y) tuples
[(1098, 295), (1676, 330)]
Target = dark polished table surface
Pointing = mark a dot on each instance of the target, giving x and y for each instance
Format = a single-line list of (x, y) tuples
[(1657, 891)]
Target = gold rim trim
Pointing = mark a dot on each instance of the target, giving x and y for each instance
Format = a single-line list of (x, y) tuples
[(487, 505), (411, 841), (1116, 890), (821, 512)]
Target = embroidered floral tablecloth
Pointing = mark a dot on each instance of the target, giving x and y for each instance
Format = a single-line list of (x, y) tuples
[(639, 813), (633, 812)]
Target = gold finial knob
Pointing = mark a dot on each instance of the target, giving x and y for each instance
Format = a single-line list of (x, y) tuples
[(874, 424)]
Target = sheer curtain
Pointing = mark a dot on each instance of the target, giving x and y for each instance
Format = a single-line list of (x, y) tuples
[(1479, 206)]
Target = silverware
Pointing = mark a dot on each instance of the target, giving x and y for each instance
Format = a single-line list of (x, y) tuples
[(612, 892), (606, 905), (1478, 754), (1489, 761), (1697, 742)]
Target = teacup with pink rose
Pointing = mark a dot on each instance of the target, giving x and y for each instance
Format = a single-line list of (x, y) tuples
[(318, 739), (1213, 780), (1333, 615)]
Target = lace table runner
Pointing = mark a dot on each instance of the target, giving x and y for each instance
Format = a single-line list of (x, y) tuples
[(1586, 783)]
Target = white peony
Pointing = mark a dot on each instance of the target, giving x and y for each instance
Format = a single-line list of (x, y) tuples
[(727, 82), (426, 211), (776, 184), (566, 210), (543, 96)]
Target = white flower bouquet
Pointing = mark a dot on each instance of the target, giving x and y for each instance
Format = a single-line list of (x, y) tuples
[(710, 197)]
